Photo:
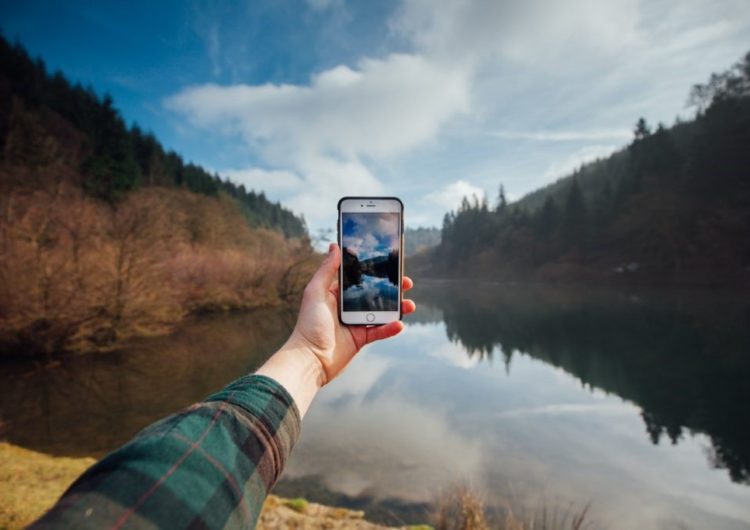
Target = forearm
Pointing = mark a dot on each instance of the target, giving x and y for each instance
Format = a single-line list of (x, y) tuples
[(209, 466), (298, 370)]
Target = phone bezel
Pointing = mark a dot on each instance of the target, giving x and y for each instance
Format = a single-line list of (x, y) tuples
[(359, 318)]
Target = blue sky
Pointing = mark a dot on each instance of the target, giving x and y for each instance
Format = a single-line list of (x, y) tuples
[(314, 99), (370, 234)]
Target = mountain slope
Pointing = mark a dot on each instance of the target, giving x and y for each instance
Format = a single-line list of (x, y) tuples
[(104, 235), (43, 116), (671, 207)]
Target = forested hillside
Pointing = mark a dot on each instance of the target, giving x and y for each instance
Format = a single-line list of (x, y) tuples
[(671, 207), (105, 235), (113, 158)]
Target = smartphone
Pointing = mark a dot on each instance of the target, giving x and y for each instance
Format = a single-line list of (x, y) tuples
[(371, 233)]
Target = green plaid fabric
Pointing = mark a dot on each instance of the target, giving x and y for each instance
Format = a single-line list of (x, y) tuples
[(208, 466)]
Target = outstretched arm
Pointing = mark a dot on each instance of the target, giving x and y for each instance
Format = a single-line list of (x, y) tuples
[(320, 347), (212, 464)]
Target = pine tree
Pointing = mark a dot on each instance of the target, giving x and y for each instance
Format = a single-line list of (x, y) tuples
[(642, 129), (574, 217), (502, 201)]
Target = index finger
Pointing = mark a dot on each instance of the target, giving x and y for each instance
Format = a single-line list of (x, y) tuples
[(407, 283)]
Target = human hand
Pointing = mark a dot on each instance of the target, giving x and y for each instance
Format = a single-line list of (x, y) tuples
[(318, 328)]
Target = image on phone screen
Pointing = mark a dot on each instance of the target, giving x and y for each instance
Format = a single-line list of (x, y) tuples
[(370, 247)]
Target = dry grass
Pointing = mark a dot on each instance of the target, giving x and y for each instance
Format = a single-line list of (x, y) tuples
[(460, 508), (31, 482)]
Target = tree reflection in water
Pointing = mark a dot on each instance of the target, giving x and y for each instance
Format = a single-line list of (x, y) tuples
[(680, 356), (87, 405)]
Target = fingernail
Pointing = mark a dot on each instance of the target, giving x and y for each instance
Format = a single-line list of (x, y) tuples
[(331, 247)]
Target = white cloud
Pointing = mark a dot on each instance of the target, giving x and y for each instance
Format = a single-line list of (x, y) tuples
[(450, 196), (575, 160), (478, 31), (382, 108), (569, 77), (326, 179), (361, 246), (323, 131), (269, 181), (564, 136)]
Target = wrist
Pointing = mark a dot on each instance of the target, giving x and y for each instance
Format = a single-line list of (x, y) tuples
[(307, 358), (296, 367), (309, 355)]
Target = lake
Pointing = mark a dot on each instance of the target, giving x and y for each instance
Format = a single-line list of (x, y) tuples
[(633, 401)]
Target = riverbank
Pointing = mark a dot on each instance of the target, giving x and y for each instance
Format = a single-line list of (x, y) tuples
[(31, 482), (81, 276)]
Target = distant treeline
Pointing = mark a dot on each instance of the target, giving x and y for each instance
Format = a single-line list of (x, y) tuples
[(672, 206), (116, 158)]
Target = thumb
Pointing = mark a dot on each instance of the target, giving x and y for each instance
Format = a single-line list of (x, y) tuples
[(327, 271)]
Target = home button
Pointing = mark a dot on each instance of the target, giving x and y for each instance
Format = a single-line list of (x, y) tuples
[(370, 317)]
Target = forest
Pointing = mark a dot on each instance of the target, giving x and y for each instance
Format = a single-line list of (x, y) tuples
[(672, 207), (106, 235)]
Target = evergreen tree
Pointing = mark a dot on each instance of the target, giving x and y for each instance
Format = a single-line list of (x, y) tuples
[(642, 130), (116, 158), (574, 216), (502, 201)]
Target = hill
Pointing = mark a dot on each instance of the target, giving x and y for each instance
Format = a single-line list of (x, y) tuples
[(419, 239), (105, 235), (672, 207), (44, 116)]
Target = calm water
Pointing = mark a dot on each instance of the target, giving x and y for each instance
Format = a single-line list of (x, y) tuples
[(634, 402)]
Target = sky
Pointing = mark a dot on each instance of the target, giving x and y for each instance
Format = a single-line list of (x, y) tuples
[(311, 100), (371, 234)]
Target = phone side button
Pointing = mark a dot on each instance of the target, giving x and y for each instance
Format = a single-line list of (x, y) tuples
[(370, 317)]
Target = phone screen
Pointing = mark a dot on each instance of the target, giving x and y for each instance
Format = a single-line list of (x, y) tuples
[(370, 246)]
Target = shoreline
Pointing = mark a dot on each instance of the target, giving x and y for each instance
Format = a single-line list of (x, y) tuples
[(11, 354), (31, 482)]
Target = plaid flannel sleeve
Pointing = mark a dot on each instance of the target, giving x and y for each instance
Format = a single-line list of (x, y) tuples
[(208, 466)]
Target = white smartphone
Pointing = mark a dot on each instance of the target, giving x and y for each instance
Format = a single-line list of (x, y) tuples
[(370, 233)]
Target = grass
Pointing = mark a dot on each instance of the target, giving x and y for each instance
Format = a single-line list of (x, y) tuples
[(460, 508), (31, 482), (299, 504)]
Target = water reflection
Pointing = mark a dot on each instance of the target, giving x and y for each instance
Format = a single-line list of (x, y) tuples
[(90, 404), (529, 399), (524, 393), (682, 357)]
